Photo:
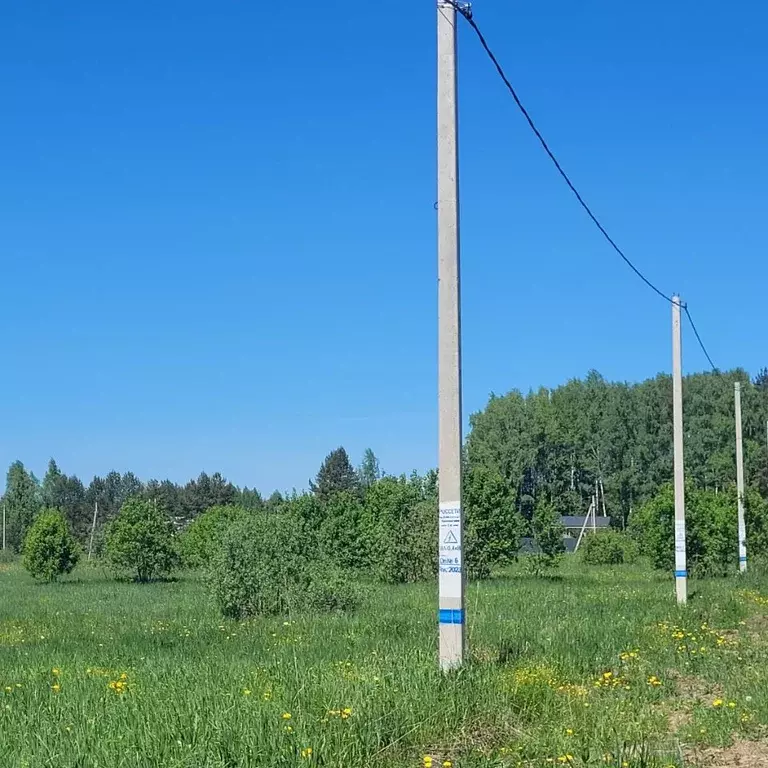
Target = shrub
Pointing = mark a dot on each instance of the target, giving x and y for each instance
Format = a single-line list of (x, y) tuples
[(608, 548), (49, 549), (399, 531), (141, 541), (339, 533), (262, 567), (493, 526), (200, 540), (711, 530)]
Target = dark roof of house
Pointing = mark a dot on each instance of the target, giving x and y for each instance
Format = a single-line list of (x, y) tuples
[(576, 521)]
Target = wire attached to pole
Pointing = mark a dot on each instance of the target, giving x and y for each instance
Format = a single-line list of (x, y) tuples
[(465, 10)]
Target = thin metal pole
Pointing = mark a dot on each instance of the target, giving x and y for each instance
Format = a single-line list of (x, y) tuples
[(93, 529), (681, 574), (740, 480), (451, 516)]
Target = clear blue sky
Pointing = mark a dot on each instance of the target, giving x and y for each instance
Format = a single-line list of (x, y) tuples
[(218, 236)]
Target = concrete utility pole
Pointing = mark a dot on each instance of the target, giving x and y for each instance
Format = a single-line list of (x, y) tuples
[(681, 574), (740, 480), (451, 581)]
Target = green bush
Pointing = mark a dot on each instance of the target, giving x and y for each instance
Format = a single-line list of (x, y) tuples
[(339, 533), (262, 566), (330, 589), (608, 547), (141, 541), (548, 533), (711, 530), (50, 550), (399, 531), (200, 540)]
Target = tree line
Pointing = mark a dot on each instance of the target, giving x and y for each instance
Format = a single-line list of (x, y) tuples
[(547, 450), (562, 444), (25, 496)]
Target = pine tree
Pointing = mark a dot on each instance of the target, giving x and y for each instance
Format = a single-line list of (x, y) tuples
[(67, 494), (206, 492), (335, 476)]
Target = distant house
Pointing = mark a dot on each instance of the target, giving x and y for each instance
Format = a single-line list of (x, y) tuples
[(573, 525)]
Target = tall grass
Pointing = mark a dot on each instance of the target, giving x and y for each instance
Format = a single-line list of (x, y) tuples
[(598, 667)]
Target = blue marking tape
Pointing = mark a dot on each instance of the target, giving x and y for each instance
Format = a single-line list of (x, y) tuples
[(451, 616), (681, 574), (742, 558)]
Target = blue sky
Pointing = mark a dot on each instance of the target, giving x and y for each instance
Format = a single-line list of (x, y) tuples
[(218, 237)]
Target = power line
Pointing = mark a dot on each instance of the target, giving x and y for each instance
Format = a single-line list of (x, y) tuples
[(698, 338), (466, 11)]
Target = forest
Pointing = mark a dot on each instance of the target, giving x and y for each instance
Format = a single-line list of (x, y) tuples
[(561, 443), (553, 445)]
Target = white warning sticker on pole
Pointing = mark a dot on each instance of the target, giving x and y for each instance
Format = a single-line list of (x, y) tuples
[(449, 549), (680, 558), (679, 535)]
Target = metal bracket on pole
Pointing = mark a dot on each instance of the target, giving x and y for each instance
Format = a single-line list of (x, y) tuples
[(465, 9)]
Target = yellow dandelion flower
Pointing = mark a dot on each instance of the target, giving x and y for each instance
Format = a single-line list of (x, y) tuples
[(246, 692), (55, 687), (306, 753), (731, 705), (717, 703), (286, 715), (447, 764), (56, 671)]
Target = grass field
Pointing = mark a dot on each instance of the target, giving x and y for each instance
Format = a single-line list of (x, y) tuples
[(595, 668)]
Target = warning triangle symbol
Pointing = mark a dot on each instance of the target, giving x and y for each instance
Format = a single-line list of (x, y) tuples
[(450, 538)]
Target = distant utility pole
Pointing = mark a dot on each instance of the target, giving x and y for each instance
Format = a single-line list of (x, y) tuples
[(740, 480), (93, 529), (451, 517), (681, 574)]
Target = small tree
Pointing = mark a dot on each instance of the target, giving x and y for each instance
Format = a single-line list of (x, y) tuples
[(548, 534), (141, 541), (49, 549), (493, 525)]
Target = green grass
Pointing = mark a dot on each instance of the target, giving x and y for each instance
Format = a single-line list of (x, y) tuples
[(205, 693)]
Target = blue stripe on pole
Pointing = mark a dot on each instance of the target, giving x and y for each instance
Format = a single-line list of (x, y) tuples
[(681, 574), (742, 558), (451, 616)]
